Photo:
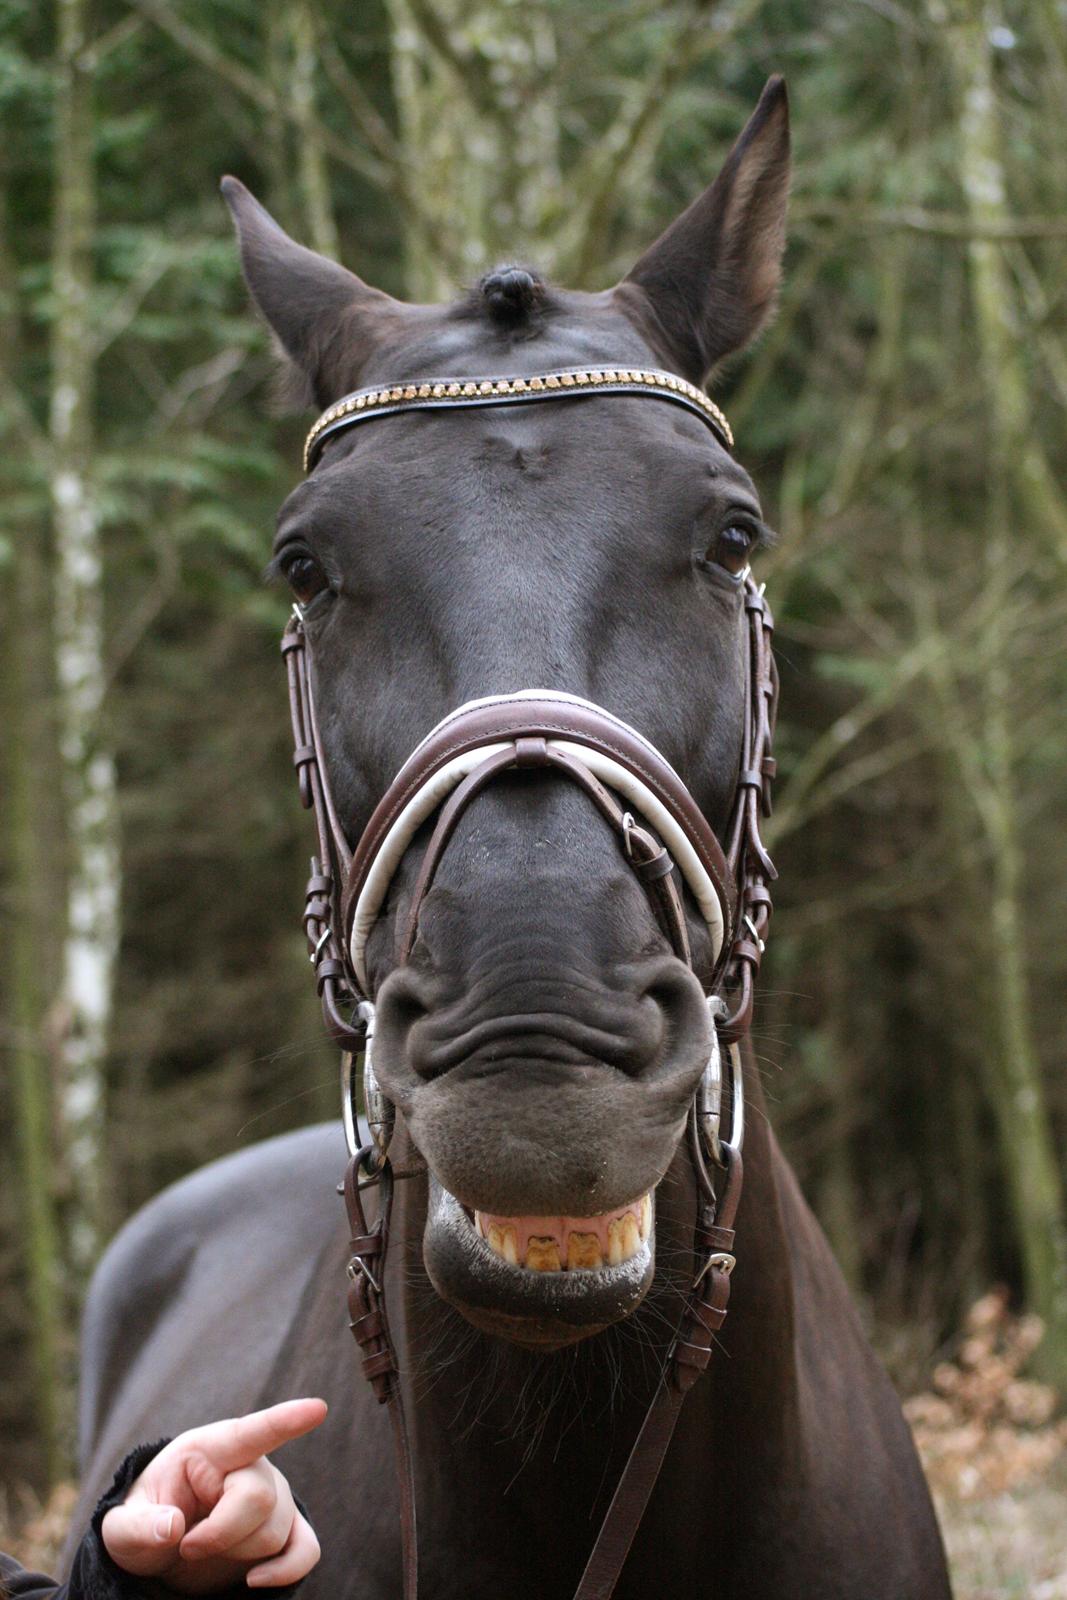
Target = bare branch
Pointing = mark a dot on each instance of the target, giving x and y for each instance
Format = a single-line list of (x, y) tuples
[(210, 376), (467, 66), (862, 770), (390, 173), (252, 88), (110, 39), (365, 114), (945, 224), (601, 175), (126, 304)]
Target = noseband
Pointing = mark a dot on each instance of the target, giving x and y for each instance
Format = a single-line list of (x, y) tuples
[(666, 840)]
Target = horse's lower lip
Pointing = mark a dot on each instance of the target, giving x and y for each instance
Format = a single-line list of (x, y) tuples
[(530, 1306)]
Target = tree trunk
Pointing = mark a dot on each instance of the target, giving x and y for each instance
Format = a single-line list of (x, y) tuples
[(90, 937), (314, 182), (985, 189), (1021, 492), (478, 125), (1031, 1169), (29, 760)]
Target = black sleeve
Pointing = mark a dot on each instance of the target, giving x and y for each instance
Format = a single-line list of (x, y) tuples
[(22, 1585), (93, 1574)]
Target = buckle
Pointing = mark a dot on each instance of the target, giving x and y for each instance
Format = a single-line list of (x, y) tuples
[(718, 1258)]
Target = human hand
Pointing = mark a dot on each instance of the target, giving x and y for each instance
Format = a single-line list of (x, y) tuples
[(210, 1510)]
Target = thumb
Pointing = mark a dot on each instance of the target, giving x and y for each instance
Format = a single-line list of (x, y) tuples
[(143, 1538)]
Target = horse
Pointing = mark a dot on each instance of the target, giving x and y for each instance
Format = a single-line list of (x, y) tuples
[(547, 979)]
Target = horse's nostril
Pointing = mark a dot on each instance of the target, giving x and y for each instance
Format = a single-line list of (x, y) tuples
[(680, 1002), (403, 1002), (407, 1010)]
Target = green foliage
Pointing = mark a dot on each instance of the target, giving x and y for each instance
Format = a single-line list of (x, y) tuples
[(866, 416)]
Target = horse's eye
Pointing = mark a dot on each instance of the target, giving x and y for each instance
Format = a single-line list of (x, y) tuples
[(731, 549), (304, 576)]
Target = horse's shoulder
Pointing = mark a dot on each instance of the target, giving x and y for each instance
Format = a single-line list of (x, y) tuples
[(203, 1243), (290, 1176)]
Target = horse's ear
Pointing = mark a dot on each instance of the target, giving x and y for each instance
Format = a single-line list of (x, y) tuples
[(326, 320), (708, 285)]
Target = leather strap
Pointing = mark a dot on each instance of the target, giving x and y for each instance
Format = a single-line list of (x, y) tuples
[(530, 728), (741, 874), (547, 718), (370, 1329), (632, 1492), (649, 859)]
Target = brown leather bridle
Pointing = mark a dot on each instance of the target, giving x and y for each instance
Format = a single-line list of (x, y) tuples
[(553, 732)]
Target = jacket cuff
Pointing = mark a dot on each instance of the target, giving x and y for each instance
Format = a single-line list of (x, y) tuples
[(93, 1574)]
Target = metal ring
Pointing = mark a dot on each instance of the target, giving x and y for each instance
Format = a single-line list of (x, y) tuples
[(350, 1081), (349, 1107), (709, 1092), (378, 1108), (737, 1098)]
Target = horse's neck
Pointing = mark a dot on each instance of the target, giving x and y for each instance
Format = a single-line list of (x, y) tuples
[(517, 1454)]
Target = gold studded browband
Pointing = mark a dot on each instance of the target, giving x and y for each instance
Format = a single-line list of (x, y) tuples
[(434, 393)]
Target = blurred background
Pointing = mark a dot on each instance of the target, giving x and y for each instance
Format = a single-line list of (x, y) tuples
[(904, 418)]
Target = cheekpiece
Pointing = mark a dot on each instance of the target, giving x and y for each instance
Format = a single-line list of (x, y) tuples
[(432, 394)]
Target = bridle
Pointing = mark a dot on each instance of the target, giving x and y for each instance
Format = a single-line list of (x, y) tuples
[(672, 844)]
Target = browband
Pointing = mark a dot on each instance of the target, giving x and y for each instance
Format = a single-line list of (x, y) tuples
[(431, 394)]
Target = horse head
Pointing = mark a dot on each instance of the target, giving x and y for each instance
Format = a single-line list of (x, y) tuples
[(538, 1029)]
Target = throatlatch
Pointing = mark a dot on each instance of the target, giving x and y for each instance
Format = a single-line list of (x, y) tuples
[(671, 847)]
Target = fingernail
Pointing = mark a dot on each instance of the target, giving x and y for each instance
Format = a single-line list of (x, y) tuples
[(164, 1526)]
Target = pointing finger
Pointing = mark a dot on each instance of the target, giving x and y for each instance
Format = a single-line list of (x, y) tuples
[(239, 1441)]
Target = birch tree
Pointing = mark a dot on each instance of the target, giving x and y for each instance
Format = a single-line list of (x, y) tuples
[(30, 911), (90, 937), (477, 111)]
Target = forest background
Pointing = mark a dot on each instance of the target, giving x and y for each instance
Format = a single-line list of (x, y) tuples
[(904, 419)]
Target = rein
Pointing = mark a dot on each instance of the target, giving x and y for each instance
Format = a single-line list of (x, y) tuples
[(672, 845)]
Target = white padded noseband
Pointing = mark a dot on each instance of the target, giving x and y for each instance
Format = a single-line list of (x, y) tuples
[(425, 801)]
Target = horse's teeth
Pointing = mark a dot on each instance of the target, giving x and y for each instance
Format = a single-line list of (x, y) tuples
[(572, 1244), (504, 1242), (624, 1238), (631, 1236), (583, 1250), (542, 1254), (615, 1250)]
